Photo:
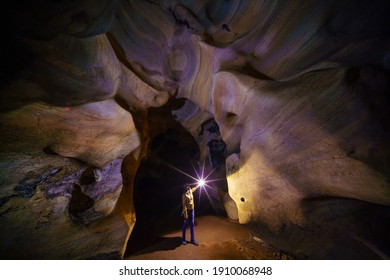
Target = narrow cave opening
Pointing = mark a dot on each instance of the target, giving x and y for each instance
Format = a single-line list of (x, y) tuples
[(173, 157)]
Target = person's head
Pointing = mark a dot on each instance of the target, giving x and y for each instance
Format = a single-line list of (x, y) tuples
[(186, 188)]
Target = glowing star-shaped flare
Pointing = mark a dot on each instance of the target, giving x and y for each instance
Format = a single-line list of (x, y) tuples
[(201, 179), (201, 182)]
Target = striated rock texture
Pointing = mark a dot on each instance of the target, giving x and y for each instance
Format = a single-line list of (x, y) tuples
[(287, 99)]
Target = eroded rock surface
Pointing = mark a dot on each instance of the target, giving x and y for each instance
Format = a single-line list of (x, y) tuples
[(298, 91)]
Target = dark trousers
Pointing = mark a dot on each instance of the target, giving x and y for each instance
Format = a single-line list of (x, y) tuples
[(191, 220)]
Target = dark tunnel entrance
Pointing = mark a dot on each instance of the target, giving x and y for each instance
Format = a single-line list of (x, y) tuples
[(158, 185)]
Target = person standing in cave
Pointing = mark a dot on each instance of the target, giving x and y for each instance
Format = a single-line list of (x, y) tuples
[(188, 213)]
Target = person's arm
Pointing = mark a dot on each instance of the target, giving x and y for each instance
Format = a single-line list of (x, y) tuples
[(194, 188), (183, 201), (184, 212)]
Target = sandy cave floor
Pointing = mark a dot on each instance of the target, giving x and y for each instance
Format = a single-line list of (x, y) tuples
[(219, 239)]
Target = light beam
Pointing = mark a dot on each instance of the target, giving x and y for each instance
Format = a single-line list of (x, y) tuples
[(200, 179)]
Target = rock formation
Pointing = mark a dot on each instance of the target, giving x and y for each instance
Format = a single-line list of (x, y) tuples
[(294, 96)]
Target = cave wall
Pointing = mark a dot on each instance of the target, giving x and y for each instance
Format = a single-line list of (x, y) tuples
[(299, 91)]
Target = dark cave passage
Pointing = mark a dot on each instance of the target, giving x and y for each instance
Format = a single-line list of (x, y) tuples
[(159, 183)]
